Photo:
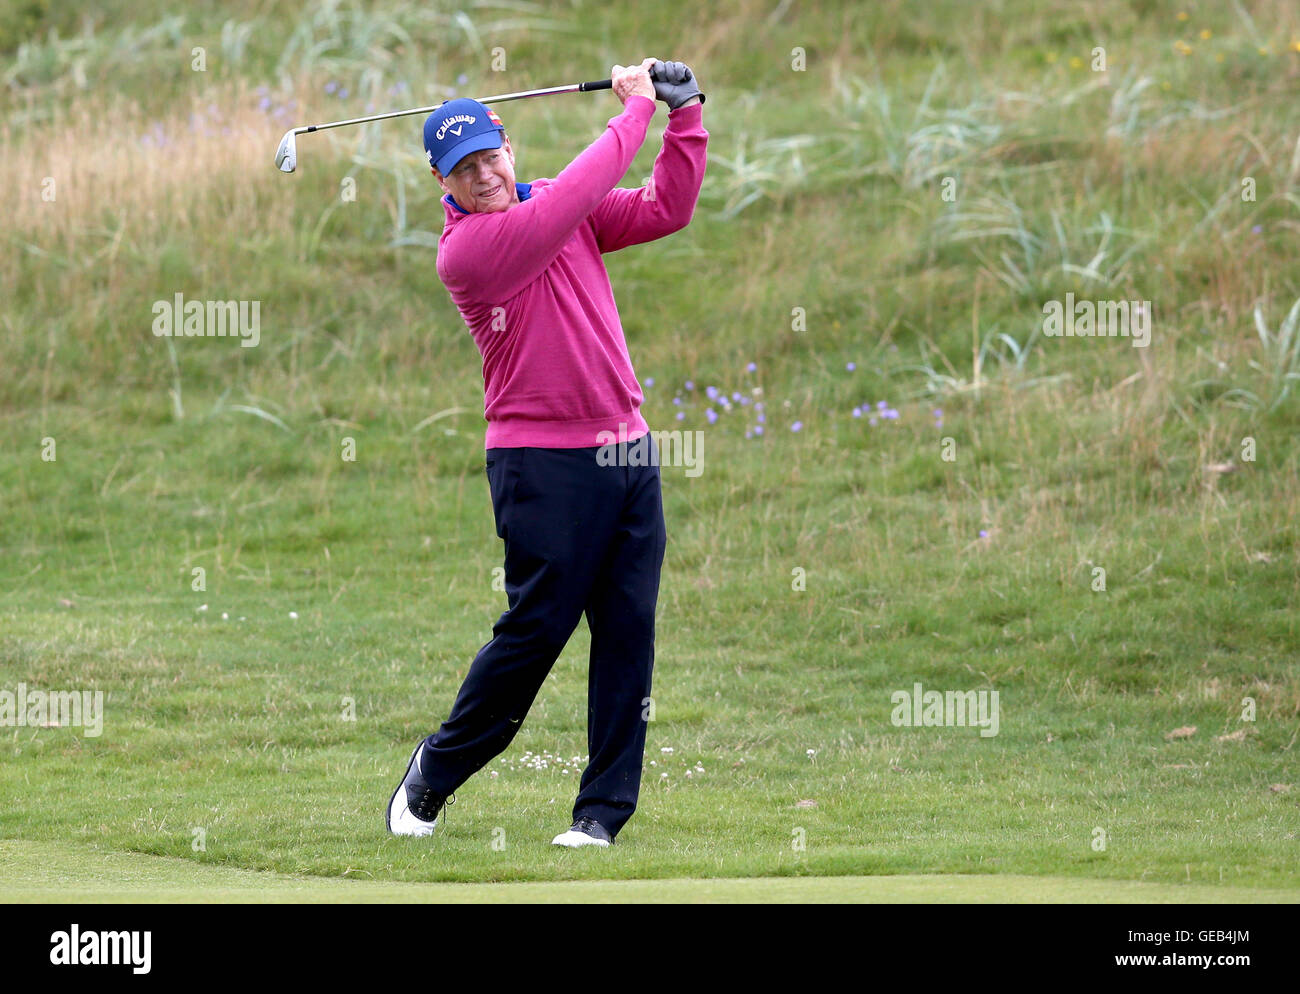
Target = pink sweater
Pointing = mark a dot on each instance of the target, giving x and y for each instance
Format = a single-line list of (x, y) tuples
[(531, 286)]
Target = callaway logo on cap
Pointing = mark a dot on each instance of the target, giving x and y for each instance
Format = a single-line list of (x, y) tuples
[(460, 120), (458, 128)]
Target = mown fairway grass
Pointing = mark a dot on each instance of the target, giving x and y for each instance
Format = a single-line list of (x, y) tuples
[(227, 739), (58, 871)]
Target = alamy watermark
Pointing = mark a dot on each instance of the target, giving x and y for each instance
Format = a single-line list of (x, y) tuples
[(23, 708), (181, 318), (920, 708), (656, 448), (99, 947), (1102, 319)]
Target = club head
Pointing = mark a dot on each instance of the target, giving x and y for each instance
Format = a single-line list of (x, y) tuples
[(286, 156)]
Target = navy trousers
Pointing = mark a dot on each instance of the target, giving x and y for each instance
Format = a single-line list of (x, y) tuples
[(580, 538)]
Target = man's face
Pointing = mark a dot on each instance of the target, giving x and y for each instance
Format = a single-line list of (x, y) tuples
[(483, 181)]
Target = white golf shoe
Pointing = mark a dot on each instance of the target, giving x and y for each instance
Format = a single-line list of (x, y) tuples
[(584, 832), (414, 806)]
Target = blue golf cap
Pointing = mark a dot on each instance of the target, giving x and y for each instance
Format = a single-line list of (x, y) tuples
[(458, 128)]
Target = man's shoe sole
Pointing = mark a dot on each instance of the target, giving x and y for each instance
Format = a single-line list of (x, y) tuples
[(576, 840)]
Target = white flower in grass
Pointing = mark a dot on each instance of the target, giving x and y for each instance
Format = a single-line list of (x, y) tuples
[(293, 615), (812, 753), (667, 750)]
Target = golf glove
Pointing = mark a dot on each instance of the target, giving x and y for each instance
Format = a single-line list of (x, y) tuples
[(674, 83)]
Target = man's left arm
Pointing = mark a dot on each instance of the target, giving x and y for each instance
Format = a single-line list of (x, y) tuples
[(630, 217)]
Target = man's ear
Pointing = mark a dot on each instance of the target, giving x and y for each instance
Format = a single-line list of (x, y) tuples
[(441, 182)]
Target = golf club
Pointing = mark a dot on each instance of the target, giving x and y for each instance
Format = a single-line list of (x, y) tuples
[(286, 156)]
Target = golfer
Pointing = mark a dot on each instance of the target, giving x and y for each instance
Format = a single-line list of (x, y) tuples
[(580, 514)]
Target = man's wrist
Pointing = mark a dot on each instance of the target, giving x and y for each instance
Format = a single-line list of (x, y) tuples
[(630, 102), (688, 103)]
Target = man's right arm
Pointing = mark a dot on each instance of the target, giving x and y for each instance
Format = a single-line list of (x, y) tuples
[(495, 255)]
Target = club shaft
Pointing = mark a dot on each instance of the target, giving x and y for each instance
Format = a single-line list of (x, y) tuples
[(500, 98)]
